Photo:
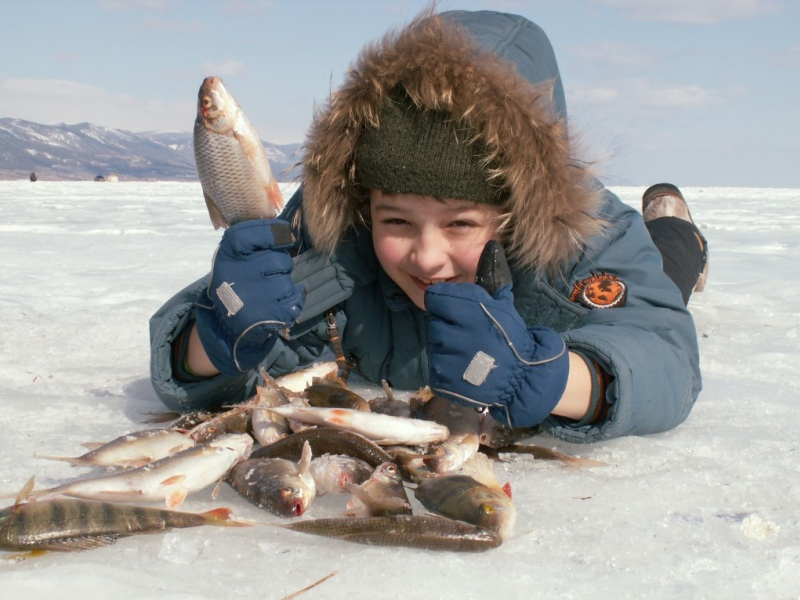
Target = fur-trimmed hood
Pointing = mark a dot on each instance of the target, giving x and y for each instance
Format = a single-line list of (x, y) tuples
[(498, 77)]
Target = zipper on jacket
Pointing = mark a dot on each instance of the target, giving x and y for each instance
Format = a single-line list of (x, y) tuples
[(345, 365)]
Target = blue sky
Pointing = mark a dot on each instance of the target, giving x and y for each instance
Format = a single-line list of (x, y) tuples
[(696, 92)]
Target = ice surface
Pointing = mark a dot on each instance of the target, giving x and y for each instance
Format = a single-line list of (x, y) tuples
[(708, 510)]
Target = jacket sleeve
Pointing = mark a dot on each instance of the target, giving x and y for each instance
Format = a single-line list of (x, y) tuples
[(649, 345), (326, 286), (305, 344), (165, 326)]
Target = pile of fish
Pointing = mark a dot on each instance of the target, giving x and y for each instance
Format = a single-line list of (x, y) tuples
[(312, 436)]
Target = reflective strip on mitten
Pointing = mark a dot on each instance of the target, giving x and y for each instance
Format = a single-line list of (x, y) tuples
[(250, 296), (482, 354)]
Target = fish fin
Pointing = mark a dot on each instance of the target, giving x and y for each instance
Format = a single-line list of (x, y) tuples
[(174, 480), (507, 490), (216, 216), (305, 459), (77, 544), (274, 195), (480, 468), (387, 390), (176, 498), (267, 379), (92, 445), (223, 516), (174, 450), (215, 491), (357, 491), (161, 417), (25, 492), (359, 495)]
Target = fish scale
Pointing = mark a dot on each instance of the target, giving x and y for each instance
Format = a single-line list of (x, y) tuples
[(231, 184), (231, 161)]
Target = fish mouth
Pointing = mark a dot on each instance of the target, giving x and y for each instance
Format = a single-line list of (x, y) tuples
[(297, 508), (344, 479)]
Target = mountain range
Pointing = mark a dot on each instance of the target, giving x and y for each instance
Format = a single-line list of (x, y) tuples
[(83, 151)]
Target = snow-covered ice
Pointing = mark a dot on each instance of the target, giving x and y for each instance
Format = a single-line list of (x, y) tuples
[(708, 510)]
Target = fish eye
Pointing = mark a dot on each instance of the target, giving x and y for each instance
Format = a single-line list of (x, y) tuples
[(391, 469), (487, 508), (206, 102), (286, 491)]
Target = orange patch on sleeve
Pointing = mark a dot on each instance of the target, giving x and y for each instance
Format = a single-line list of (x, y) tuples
[(602, 290)]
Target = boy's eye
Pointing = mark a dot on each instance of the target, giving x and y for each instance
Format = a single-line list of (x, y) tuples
[(462, 224), (394, 221)]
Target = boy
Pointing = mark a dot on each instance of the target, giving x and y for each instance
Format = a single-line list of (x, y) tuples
[(449, 138)]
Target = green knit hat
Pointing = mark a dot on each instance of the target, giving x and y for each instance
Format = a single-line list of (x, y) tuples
[(423, 152)]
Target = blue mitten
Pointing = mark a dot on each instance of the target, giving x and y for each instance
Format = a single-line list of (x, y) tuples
[(483, 355), (250, 296)]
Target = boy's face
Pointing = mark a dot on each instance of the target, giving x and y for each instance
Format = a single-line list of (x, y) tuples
[(422, 240)]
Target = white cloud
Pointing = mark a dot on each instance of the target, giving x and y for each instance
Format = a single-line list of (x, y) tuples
[(172, 26), (227, 68), (694, 11), (647, 95), (59, 101), (247, 6), (615, 55), (131, 5), (790, 57)]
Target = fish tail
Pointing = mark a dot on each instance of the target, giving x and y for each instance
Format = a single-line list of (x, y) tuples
[(74, 461), (223, 517), (274, 194)]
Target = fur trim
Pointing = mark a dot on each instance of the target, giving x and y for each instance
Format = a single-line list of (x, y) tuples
[(552, 204)]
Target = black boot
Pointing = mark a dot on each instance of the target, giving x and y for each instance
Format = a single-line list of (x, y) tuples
[(666, 200)]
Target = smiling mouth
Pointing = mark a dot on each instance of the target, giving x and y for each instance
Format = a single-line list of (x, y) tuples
[(426, 282)]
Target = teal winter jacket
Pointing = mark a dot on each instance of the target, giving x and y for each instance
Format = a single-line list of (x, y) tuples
[(647, 344)]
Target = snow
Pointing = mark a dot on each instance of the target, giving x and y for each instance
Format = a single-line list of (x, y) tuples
[(708, 510)]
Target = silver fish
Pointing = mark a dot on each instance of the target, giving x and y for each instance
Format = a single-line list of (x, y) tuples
[(332, 473), (464, 424), (278, 485), (381, 429), (267, 426), (381, 495), (169, 479), (439, 459), (132, 449), (298, 381), (232, 163), (233, 420)]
